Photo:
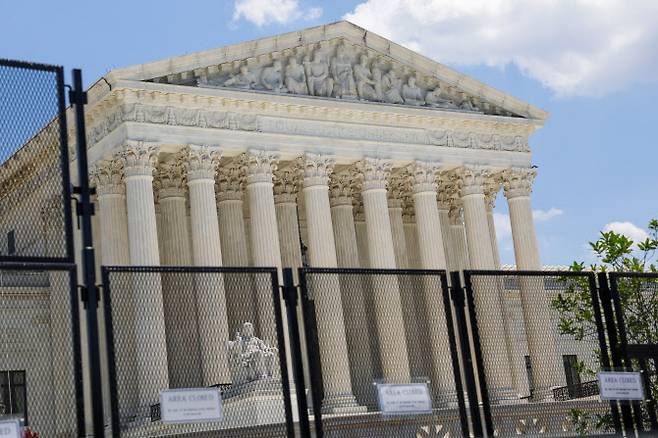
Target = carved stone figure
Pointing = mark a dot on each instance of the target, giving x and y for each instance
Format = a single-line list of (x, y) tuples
[(272, 79), (317, 76), (295, 77), (468, 105), (391, 86), (366, 87), (411, 93), (250, 358), (435, 98), (344, 86), (245, 79)]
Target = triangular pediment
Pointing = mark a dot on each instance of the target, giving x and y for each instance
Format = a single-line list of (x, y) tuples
[(340, 61)]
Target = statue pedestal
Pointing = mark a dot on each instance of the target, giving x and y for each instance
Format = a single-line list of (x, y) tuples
[(256, 403)]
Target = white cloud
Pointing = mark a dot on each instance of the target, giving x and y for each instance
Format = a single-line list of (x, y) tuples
[(263, 12), (577, 47), (546, 215), (504, 227), (628, 229)]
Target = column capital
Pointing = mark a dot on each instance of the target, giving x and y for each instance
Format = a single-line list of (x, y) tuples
[(171, 179), (138, 159), (230, 180), (201, 162), (286, 185), (399, 188), (261, 166), (517, 181), (108, 177), (470, 179), (448, 190), (341, 188), (375, 173), (316, 169), (423, 176), (491, 188)]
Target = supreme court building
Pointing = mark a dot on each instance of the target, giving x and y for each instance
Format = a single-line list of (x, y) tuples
[(327, 147)]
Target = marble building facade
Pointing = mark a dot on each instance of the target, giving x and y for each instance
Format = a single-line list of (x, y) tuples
[(330, 147)]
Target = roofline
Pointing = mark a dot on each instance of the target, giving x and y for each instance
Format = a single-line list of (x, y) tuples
[(346, 29)]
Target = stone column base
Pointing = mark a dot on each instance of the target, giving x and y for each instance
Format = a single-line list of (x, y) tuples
[(503, 396), (342, 404)]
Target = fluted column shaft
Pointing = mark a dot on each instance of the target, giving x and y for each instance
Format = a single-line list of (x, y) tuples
[(458, 239), (328, 301), (201, 164), (388, 306), (397, 230), (265, 251), (285, 205), (432, 256), (487, 302), (150, 341), (540, 331)]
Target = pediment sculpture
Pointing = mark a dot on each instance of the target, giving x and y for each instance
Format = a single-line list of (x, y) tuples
[(250, 358), (344, 71)]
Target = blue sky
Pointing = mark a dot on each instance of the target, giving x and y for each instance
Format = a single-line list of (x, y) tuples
[(593, 64)]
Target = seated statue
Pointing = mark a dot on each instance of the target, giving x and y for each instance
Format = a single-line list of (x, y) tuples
[(245, 79), (320, 83), (250, 358), (366, 85), (468, 105), (272, 79), (295, 77), (435, 98), (411, 94), (391, 87)]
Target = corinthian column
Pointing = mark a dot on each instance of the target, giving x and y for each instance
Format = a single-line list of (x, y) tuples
[(201, 165), (342, 217), (432, 256), (328, 301), (180, 309), (285, 204), (387, 303), (487, 301), (446, 194), (264, 234), (108, 178), (540, 331), (397, 188), (150, 342), (233, 239), (491, 189)]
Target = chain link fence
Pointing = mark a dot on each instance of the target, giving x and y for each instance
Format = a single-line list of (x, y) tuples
[(635, 298), (535, 367), (372, 328), (40, 378), (35, 211), (196, 328)]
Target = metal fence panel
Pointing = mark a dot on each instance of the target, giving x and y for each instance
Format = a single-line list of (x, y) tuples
[(40, 372), (368, 327), (35, 223), (635, 298), (535, 376), (168, 328)]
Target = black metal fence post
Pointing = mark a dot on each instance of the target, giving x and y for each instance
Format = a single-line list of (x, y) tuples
[(605, 357), (290, 297), (479, 359), (457, 297), (78, 97), (611, 326)]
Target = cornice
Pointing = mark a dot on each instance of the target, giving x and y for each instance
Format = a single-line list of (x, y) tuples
[(235, 110)]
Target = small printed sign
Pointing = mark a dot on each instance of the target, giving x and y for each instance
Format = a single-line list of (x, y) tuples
[(10, 429), (403, 399), (617, 385), (198, 405)]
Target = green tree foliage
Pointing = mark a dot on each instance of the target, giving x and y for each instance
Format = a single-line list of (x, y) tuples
[(638, 297)]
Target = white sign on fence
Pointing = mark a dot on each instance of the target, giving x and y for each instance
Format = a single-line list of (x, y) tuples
[(197, 405), (617, 385), (399, 399), (10, 429)]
